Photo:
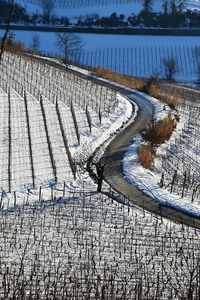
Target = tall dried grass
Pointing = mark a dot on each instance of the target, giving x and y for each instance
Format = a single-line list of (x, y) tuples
[(158, 133), (128, 81), (146, 154)]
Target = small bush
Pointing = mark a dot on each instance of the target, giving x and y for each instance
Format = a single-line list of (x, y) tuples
[(15, 46), (146, 155), (153, 91), (161, 131), (172, 101)]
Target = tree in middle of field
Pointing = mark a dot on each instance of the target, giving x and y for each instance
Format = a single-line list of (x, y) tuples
[(35, 43), (70, 44), (171, 67)]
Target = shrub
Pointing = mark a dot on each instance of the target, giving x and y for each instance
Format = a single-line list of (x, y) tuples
[(146, 155), (161, 131), (172, 101), (153, 91)]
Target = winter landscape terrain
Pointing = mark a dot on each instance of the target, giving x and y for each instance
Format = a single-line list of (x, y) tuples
[(60, 239), (132, 55), (81, 216)]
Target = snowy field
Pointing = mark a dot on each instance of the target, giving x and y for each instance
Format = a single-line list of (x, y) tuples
[(90, 247), (74, 9), (143, 56), (43, 138), (132, 55), (76, 243)]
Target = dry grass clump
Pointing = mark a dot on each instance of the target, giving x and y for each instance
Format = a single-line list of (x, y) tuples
[(149, 88), (146, 155), (172, 101), (120, 78), (153, 91), (158, 133), (15, 46), (153, 135)]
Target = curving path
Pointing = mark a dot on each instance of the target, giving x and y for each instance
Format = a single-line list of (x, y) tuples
[(113, 155), (113, 159)]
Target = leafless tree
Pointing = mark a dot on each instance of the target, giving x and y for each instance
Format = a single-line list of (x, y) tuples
[(181, 6), (10, 39), (198, 72), (171, 67), (3, 41), (196, 54), (165, 7), (35, 43), (47, 7), (69, 44)]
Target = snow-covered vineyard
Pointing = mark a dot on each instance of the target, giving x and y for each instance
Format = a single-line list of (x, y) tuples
[(95, 4), (59, 238), (81, 3), (140, 55), (52, 121), (144, 60), (180, 164), (90, 247)]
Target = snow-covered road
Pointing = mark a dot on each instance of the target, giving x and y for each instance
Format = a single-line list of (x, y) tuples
[(113, 161)]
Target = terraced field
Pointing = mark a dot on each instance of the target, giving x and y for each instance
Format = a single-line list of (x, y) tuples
[(59, 238)]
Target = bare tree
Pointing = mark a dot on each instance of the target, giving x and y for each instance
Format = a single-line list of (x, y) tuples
[(198, 73), (165, 7), (35, 43), (3, 41), (171, 67), (147, 6), (47, 7), (10, 39), (181, 6), (69, 44), (196, 53)]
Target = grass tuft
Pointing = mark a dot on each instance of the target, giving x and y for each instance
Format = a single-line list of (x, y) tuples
[(146, 155), (158, 133)]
